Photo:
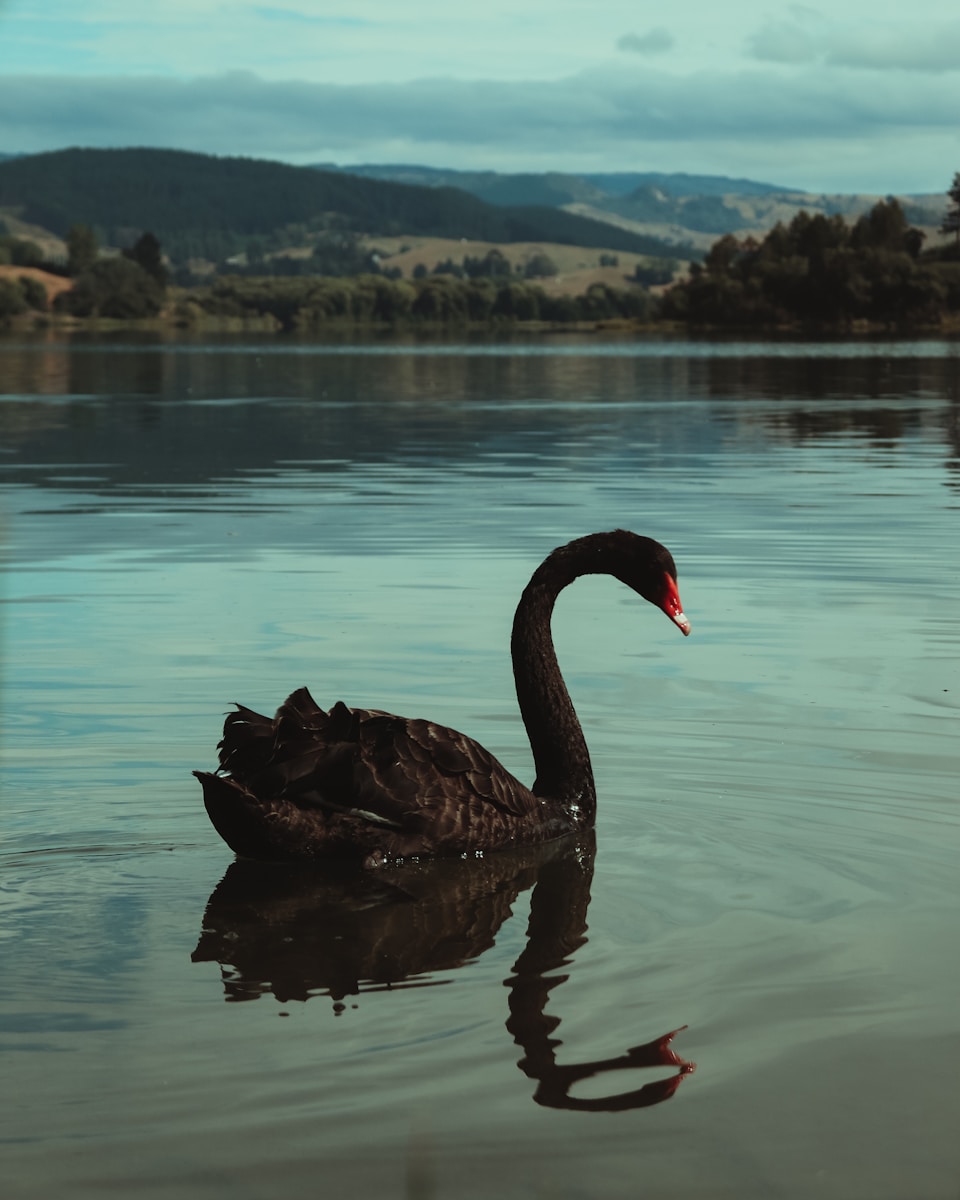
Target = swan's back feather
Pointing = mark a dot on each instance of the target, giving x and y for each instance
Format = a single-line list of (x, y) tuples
[(360, 782)]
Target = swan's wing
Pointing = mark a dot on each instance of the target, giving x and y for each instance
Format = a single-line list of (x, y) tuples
[(428, 767), (401, 774)]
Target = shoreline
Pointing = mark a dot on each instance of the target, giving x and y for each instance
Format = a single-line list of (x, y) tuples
[(266, 323)]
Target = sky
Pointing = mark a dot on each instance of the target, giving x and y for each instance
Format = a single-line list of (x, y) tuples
[(850, 97)]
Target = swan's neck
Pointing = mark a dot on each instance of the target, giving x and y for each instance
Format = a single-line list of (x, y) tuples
[(556, 739)]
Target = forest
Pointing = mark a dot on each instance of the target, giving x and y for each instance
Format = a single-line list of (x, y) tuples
[(307, 304), (822, 271), (816, 272), (201, 206)]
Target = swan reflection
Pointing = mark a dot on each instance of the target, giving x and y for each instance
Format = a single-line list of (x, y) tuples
[(299, 931)]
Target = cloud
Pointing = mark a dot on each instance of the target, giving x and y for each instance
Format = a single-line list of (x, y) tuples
[(654, 41), (921, 47), (807, 127)]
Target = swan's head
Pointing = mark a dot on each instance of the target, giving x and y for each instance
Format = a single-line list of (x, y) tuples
[(646, 567), (639, 562)]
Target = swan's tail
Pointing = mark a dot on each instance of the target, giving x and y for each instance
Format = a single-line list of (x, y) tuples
[(285, 786), (235, 813)]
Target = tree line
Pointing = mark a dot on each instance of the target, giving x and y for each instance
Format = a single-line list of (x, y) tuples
[(816, 271), (341, 283), (821, 271), (308, 303)]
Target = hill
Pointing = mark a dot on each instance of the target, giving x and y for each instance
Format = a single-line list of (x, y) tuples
[(551, 188), (677, 208), (204, 206), (558, 188)]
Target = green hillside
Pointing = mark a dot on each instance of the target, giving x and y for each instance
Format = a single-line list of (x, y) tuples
[(554, 187), (199, 205), (551, 188)]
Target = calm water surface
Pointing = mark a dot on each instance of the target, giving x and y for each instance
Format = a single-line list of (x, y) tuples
[(189, 524)]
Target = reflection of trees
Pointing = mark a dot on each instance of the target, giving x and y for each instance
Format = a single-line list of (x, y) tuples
[(878, 425), (215, 417), (814, 398), (297, 932), (154, 417), (788, 376), (953, 437)]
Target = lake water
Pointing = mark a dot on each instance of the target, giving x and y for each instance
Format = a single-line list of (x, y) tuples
[(187, 524)]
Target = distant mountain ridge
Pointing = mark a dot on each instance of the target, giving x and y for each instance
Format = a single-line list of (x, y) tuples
[(677, 206), (206, 206), (574, 188)]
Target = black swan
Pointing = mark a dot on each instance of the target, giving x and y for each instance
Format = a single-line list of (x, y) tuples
[(362, 784)]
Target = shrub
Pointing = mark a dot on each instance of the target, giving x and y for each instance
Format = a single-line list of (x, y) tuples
[(113, 287)]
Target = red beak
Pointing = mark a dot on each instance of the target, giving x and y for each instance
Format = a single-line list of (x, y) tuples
[(670, 603)]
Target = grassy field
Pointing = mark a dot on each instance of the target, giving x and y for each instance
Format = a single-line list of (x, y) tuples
[(577, 267)]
